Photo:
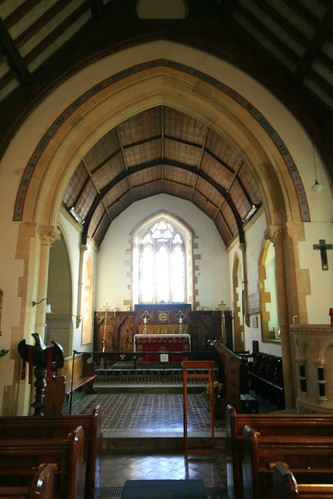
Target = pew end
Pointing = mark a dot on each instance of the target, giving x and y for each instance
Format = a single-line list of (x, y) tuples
[(285, 485), (288, 486), (41, 486)]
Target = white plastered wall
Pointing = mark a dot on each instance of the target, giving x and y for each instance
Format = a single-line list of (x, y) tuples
[(114, 280)]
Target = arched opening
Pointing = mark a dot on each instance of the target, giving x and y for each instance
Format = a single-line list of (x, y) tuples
[(237, 282), (59, 322), (182, 91), (87, 303), (268, 294)]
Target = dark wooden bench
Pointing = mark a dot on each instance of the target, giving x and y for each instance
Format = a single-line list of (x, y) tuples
[(287, 484), (22, 457), (304, 455), (54, 427), (83, 376), (41, 486), (266, 424), (266, 377)]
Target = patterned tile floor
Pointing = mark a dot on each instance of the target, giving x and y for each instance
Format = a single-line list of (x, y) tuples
[(116, 469), (130, 415), (154, 416)]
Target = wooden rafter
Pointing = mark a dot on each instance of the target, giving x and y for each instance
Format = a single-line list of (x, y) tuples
[(321, 33), (268, 34), (14, 57), (281, 20), (97, 8), (55, 34), (36, 26), (128, 178)]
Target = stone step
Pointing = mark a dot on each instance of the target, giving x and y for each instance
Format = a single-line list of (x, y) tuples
[(149, 388), (160, 442)]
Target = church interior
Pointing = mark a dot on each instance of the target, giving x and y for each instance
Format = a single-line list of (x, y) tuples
[(166, 188)]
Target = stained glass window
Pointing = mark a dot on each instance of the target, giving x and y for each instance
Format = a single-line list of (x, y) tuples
[(162, 265)]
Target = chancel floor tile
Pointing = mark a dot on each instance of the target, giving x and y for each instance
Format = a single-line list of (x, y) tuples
[(148, 413)]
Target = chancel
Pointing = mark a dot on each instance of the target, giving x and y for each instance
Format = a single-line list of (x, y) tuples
[(156, 161)]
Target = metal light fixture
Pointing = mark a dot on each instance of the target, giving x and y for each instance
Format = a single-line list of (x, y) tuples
[(316, 187), (250, 213), (48, 305)]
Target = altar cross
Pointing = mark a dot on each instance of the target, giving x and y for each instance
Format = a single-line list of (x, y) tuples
[(323, 247)]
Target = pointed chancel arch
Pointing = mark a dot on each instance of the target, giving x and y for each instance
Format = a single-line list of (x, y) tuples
[(141, 87), (78, 129)]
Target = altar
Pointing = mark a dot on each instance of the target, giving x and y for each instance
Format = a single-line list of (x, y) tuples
[(162, 343)]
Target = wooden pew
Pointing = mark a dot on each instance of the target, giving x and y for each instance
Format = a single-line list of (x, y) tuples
[(286, 486), (53, 427), (230, 371), (266, 377), (266, 424), (41, 486), (83, 376), (22, 457), (304, 455)]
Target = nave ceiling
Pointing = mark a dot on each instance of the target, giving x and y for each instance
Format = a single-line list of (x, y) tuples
[(162, 150), (287, 45)]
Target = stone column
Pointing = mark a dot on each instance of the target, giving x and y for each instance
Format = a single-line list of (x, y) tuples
[(48, 234), (276, 236)]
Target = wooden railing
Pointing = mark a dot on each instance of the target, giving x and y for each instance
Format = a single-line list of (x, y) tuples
[(108, 359)]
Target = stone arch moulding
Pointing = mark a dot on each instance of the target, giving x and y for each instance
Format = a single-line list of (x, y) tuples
[(143, 86)]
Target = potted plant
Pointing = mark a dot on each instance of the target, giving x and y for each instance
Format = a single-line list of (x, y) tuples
[(218, 396)]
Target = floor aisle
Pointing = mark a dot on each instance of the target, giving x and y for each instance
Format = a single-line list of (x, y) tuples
[(154, 416)]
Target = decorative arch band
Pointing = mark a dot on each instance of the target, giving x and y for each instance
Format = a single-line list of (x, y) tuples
[(255, 113)]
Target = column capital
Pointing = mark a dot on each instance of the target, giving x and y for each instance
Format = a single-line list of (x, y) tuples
[(48, 234), (275, 234)]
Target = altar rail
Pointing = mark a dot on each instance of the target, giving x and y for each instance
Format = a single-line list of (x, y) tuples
[(108, 359)]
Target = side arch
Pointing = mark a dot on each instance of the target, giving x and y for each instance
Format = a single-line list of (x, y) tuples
[(237, 294)]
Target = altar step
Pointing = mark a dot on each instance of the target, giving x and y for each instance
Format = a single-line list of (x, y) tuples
[(145, 380)]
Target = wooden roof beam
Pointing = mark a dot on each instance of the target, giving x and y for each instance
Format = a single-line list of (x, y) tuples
[(15, 59), (321, 33), (267, 33), (97, 9)]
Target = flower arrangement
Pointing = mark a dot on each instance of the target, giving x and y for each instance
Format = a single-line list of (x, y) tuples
[(217, 391)]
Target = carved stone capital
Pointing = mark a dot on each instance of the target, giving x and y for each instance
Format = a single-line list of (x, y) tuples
[(48, 234), (275, 235)]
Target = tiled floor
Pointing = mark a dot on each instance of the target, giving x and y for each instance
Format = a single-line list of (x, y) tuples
[(116, 469), (142, 416)]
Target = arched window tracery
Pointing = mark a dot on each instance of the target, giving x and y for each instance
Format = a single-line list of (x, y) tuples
[(162, 257)]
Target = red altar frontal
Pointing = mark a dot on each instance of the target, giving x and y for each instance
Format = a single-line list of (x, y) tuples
[(162, 343)]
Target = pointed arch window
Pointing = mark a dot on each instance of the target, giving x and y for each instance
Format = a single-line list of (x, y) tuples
[(162, 276)]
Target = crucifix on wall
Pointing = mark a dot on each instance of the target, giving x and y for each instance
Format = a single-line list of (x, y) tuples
[(323, 247)]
